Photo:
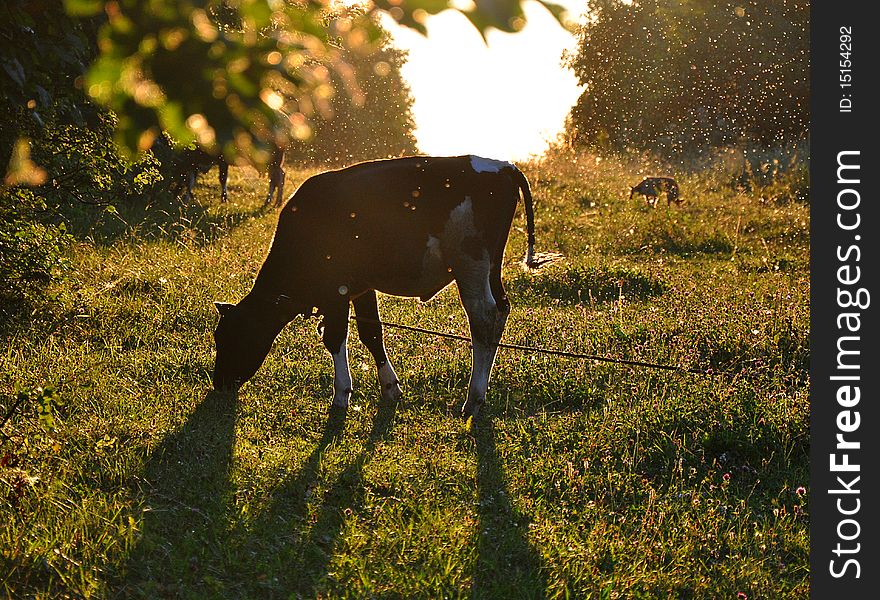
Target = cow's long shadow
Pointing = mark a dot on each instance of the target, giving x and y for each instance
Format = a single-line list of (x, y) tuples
[(507, 564), (302, 565), (185, 532), (188, 492)]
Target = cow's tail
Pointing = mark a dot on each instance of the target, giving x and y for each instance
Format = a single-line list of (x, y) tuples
[(523, 185)]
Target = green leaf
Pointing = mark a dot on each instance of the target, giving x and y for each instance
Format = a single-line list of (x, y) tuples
[(46, 407), (83, 8), (558, 11), (256, 13)]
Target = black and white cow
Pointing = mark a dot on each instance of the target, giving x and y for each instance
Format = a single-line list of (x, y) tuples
[(406, 227)]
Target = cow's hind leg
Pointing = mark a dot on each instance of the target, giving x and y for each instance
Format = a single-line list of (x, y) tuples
[(190, 185), (336, 341), (366, 308), (279, 190), (486, 305), (276, 184), (223, 177)]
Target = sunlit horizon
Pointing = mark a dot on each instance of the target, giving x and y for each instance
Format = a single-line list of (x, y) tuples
[(507, 100)]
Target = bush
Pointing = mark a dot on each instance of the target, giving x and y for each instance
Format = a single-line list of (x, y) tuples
[(31, 251)]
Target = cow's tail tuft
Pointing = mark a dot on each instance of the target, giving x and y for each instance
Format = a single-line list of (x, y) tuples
[(523, 185)]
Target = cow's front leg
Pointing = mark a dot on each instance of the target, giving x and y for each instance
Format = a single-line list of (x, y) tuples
[(486, 322), (366, 308), (190, 186), (336, 342)]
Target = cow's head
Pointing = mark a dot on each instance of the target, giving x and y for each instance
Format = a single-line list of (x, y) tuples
[(243, 338)]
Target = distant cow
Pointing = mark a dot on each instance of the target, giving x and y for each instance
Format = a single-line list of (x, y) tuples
[(202, 161), (276, 176), (186, 164), (652, 187), (406, 227), (183, 165), (194, 161)]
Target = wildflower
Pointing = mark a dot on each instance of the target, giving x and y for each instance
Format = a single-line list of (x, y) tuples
[(801, 490), (726, 477)]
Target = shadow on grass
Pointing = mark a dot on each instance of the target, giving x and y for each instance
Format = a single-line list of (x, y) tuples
[(507, 564), (300, 568), (188, 495), (195, 543), (19, 315), (162, 217), (585, 285)]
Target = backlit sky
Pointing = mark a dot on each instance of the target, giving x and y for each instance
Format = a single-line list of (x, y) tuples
[(502, 101)]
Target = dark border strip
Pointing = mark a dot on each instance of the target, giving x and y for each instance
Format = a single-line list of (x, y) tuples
[(844, 482)]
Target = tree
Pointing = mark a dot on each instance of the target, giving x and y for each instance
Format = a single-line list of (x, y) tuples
[(670, 75), (369, 113), (55, 146), (42, 53), (237, 75)]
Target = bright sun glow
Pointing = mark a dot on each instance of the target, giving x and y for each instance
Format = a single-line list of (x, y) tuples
[(507, 100)]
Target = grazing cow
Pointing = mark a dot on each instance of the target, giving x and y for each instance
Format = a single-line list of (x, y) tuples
[(198, 161), (652, 187), (406, 227), (185, 165), (194, 161)]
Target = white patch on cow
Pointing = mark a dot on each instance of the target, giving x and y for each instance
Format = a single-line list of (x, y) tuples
[(461, 218), (458, 228), (487, 165), (341, 376)]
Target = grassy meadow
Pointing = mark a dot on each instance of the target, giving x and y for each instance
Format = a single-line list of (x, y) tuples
[(124, 476)]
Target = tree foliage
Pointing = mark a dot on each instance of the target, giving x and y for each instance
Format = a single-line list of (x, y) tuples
[(372, 119), (669, 75), (42, 53), (239, 75)]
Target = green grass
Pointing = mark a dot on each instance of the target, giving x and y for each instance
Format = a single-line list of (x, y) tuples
[(582, 479)]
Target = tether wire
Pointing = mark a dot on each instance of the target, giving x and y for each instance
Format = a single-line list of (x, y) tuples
[(536, 349)]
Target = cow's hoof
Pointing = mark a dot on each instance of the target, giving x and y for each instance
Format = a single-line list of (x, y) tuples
[(471, 409), (340, 399), (392, 393), (336, 413)]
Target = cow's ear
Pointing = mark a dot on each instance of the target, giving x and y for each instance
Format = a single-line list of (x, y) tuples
[(285, 307), (284, 301), (223, 307)]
